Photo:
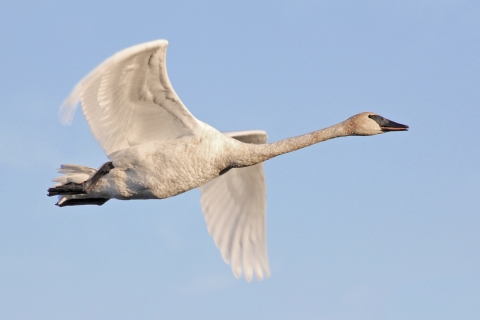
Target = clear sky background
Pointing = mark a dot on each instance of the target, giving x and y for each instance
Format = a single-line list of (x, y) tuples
[(383, 227)]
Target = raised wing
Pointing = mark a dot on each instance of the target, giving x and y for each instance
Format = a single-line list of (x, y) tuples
[(234, 206), (128, 100)]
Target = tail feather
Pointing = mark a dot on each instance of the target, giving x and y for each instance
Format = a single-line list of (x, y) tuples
[(73, 173)]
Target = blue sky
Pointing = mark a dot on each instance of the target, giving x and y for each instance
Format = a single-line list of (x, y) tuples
[(383, 227)]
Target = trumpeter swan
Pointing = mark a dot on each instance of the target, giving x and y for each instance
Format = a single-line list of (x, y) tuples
[(158, 149)]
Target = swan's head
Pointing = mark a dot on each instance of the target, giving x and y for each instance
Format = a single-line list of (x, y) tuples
[(369, 124)]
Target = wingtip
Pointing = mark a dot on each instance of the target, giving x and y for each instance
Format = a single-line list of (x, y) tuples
[(67, 111)]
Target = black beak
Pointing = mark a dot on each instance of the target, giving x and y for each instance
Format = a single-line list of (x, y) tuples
[(388, 125)]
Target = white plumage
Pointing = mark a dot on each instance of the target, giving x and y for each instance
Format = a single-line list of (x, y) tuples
[(158, 149), (128, 100)]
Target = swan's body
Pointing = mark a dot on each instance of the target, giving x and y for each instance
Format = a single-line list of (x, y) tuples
[(158, 149), (162, 169)]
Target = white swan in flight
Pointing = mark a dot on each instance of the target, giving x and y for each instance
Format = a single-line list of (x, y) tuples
[(158, 149)]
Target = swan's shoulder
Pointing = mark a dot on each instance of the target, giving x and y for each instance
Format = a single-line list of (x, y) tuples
[(128, 100)]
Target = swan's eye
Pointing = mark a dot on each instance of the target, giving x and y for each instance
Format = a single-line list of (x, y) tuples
[(370, 116)]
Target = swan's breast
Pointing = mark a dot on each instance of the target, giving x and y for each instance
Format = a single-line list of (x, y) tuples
[(161, 169)]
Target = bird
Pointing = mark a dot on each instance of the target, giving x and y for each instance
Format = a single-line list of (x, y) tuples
[(157, 149)]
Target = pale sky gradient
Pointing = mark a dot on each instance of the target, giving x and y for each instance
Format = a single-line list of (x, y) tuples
[(384, 227)]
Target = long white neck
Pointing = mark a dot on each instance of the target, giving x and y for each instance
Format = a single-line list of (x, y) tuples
[(255, 153)]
